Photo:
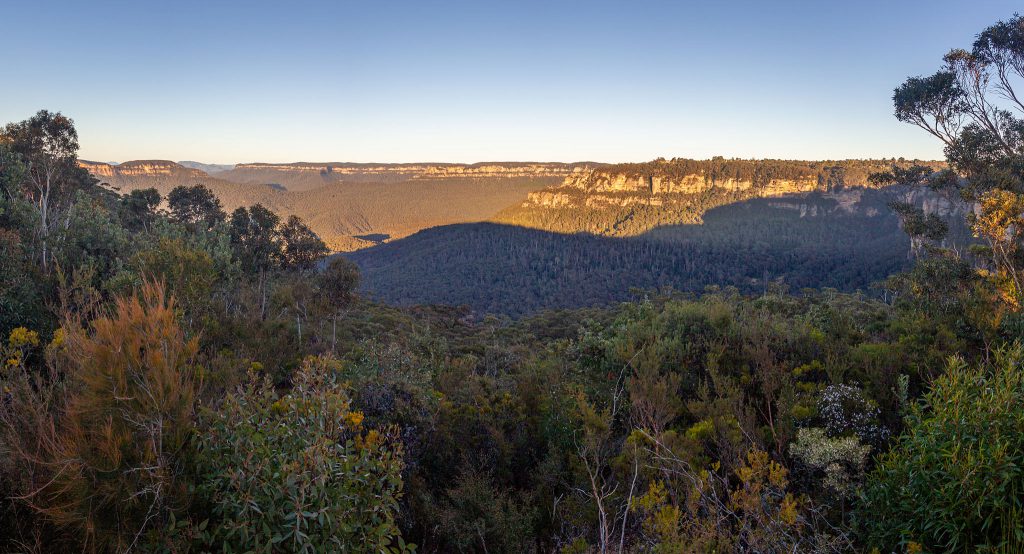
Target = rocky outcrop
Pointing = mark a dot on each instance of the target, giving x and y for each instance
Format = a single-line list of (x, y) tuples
[(873, 202), (141, 168), (97, 169), (632, 199), (304, 176), (595, 187)]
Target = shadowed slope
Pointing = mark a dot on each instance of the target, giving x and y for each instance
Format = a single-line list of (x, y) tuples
[(799, 241)]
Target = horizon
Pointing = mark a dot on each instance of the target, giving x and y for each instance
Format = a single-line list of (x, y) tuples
[(463, 82), (496, 161)]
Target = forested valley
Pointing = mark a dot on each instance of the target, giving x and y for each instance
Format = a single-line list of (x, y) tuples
[(176, 378), (788, 243)]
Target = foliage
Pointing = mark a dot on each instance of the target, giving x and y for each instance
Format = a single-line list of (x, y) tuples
[(757, 514), (254, 233), (955, 480), (477, 514), (846, 412), (841, 459), (298, 473), (105, 452), (91, 237), (188, 273), (20, 302), (302, 247), (971, 106), (195, 206), (47, 147), (138, 209), (339, 281)]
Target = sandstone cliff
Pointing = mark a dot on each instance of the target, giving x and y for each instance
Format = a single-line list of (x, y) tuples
[(631, 199)]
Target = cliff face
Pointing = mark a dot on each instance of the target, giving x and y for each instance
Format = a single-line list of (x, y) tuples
[(499, 170), (596, 188), (97, 169), (632, 199), (305, 176), (872, 202), (597, 180), (347, 202), (142, 168)]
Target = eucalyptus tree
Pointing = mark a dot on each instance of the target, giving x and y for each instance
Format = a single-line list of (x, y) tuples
[(974, 104), (47, 146)]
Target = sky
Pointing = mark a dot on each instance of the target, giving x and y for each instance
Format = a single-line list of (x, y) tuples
[(422, 80)]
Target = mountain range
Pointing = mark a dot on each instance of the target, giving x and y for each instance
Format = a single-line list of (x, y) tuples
[(512, 237), (352, 206)]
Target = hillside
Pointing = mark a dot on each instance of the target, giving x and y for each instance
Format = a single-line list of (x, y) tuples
[(630, 199), (845, 240), (354, 205)]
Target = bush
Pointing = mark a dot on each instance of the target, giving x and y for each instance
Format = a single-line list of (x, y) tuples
[(102, 450), (840, 460), (298, 473), (955, 481)]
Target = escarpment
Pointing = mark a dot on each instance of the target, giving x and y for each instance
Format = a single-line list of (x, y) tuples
[(630, 199), (356, 205)]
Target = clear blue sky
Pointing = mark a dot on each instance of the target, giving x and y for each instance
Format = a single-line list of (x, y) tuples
[(377, 80)]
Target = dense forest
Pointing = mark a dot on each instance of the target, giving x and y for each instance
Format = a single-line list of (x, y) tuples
[(750, 246), (179, 379)]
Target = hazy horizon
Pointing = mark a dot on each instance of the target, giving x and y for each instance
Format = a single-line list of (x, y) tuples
[(474, 162), (463, 82)]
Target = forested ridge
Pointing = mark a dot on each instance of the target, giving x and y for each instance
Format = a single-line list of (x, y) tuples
[(828, 173), (631, 199), (176, 378)]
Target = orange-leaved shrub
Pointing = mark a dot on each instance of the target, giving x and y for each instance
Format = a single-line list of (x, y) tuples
[(102, 438)]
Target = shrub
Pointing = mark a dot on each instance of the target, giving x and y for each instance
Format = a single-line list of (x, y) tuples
[(102, 450), (955, 481), (478, 515), (841, 460), (845, 410), (190, 273), (755, 512), (298, 473)]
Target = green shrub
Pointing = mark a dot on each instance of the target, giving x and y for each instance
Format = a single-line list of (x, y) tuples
[(298, 473), (839, 461), (955, 480)]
